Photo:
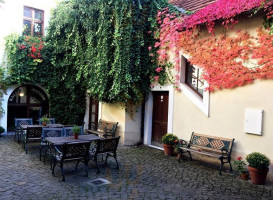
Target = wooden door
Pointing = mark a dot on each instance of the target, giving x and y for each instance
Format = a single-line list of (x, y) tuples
[(160, 116), (93, 113)]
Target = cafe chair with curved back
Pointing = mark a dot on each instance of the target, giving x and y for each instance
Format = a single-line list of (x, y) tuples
[(33, 134), (69, 152), (108, 147), (48, 132), (18, 131), (68, 131)]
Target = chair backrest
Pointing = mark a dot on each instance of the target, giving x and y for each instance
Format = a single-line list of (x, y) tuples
[(23, 121), (52, 132), (68, 131), (107, 145), (75, 150), (51, 121), (34, 132), (108, 127)]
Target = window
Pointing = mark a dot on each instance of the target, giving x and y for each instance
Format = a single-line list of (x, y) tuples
[(193, 79), (33, 21), (192, 85)]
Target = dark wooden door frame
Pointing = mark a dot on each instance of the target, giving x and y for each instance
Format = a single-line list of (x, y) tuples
[(160, 116), (95, 102)]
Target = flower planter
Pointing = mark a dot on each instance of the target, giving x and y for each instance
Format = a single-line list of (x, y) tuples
[(168, 149), (244, 176), (258, 177), (44, 123), (76, 136)]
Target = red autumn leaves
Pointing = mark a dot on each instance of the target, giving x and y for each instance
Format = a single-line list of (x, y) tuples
[(33, 47)]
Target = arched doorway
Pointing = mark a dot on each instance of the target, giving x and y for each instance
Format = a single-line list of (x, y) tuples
[(27, 101)]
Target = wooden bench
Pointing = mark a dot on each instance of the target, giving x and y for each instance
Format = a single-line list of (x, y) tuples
[(104, 129), (212, 146)]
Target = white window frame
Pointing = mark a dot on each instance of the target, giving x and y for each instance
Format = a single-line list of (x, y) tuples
[(199, 102)]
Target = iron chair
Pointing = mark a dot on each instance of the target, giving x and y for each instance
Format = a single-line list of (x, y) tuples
[(18, 123), (74, 151), (108, 147), (33, 134), (48, 132)]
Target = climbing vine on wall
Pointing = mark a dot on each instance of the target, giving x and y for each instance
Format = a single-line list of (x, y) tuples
[(227, 62), (24, 57), (106, 42)]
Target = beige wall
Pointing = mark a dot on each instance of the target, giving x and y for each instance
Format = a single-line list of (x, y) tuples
[(128, 127), (227, 111)]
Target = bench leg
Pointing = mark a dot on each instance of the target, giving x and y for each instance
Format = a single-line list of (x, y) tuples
[(190, 155), (221, 166), (230, 164)]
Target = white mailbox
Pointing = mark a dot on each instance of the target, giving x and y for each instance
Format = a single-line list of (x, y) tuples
[(253, 121)]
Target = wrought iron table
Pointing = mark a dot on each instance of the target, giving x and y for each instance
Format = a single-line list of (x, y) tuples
[(62, 140)]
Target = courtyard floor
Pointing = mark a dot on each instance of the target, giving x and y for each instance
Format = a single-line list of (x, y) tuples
[(144, 173)]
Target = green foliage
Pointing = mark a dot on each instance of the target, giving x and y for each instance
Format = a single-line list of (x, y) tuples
[(76, 129), (2, 88), (44, 119), (99, 45), (169, 139), (2, 130), (24, 58), (239, 165), (107, 43), (258, 160)]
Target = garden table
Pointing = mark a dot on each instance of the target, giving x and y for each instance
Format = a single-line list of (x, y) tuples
[(62, 140), (24, 127)]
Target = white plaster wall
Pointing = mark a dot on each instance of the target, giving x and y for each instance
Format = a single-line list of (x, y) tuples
[(227, 110), (129, 129)]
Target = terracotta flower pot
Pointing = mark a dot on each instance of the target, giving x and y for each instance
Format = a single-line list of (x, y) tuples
[(44, 123), (244, 176), (76, 136), (257, 176), (168, 149)]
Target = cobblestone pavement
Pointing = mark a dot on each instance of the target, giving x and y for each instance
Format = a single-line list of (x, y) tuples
[(145, 173)]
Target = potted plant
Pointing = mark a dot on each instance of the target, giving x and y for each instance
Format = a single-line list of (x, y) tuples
[(2, 130), (169, 141), (45, 121), (258, 167), (240, 166), (76, 130)]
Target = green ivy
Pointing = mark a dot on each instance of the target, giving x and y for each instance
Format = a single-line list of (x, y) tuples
[(107, 42), (99, 45)]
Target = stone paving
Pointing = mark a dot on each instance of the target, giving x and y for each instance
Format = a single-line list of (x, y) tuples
[(144, 173)]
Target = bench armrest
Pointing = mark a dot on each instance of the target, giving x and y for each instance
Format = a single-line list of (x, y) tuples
[(184, 143), (225, 153)]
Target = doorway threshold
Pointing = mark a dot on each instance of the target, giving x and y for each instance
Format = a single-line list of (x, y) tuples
[(156, 147)]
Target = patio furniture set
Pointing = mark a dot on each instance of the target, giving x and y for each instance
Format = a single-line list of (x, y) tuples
[(57, 142)]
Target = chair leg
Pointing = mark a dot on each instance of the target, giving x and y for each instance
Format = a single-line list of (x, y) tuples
[(76, 168), (62, 168), (53, 168), (86, 167), (26, 147), (45, 154), (40, 153), (115, 156), (96, 162), (105, 162)]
